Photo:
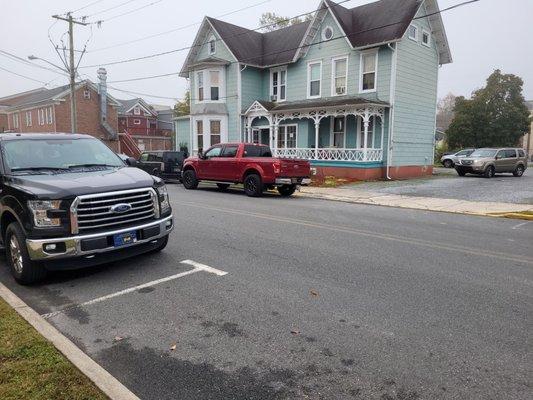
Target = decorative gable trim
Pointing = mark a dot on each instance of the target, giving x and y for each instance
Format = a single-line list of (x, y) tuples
[(256, 107), (144, 106)]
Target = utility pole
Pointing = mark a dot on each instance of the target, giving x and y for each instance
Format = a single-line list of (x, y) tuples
[(72, 69)]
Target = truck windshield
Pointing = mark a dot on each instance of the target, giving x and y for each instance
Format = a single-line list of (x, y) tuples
[(483, 153), (57, 154)]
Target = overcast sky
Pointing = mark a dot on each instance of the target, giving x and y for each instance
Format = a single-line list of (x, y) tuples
[(483, 36)]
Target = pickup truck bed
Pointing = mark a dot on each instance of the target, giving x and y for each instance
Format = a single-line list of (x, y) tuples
[(249, 164)]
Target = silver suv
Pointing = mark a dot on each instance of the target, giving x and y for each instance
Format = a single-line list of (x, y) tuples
[(449, 160), (488, 162)]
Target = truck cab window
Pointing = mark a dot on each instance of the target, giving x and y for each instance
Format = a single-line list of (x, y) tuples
[(229, 151), (213, 152)]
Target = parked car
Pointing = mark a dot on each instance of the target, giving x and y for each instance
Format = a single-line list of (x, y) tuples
[(67, 201), (249, 164), (449, 160), (164, 164), (488, 162)]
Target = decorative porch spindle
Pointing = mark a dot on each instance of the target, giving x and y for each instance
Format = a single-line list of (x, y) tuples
[(276, 136), (366, 123)]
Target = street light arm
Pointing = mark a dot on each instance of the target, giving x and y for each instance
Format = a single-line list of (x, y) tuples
[(32, 58)]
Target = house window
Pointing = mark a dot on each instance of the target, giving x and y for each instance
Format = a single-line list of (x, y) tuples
[(212, 45), (136, 122), (413, 32), (87, 94), (200, 134), (15, 120), (137, 110), (287, 136), (369, 66), (40, 116), (340, 73), (214, 128), (314, 76), (28, 118), (215, 84), (370, 139), (327, 33), (339, 131), (49, 116), (426, 38), (200, 82), (278, 79)]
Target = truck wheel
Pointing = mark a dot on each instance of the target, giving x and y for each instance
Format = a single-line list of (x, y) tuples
[(24, 270), (460, 172), (162, 244), (447, 163), (519, 171), (286, 190), (489, 172), (253, 186), (223, 186), (189, 180)]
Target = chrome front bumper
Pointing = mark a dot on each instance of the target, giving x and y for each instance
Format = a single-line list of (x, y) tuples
[(289, 181), (73, 246)]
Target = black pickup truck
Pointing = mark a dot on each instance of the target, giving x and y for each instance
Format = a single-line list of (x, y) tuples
[(67, 201), (165, 164)]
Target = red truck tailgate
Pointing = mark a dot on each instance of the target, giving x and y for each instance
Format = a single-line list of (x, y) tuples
[(294, 167)]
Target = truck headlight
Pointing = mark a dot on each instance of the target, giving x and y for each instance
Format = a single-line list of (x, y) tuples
[(164, 203), (41, 216)]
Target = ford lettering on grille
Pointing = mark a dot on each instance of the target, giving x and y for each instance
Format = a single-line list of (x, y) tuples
[(120, 208)]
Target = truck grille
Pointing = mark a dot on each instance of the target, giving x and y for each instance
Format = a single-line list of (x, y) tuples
[(113, 210)]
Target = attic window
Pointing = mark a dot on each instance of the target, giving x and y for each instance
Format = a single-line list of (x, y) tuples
[(413, 32), (87, 94), (426, 38), (327, 33), (212, 45), (137, 110)]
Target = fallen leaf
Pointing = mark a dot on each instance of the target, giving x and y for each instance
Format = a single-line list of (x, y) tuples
[(295, 332), (118, 338), (173, 347), (313, 293)]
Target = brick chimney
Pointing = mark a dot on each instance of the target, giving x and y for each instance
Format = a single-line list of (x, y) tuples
[(102, 91)]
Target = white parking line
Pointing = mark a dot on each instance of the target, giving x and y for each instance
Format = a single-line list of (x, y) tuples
[(197, 268), (519, 225)]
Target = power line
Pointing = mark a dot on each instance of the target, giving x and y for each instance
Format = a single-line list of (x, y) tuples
[(85, 6), (199, 45), (109, 9), (178, 28), (312, 44), (125, 13), (26, 62), (23, 76)]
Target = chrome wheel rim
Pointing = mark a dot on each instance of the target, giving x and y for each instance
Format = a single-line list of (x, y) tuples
[(16, 254)]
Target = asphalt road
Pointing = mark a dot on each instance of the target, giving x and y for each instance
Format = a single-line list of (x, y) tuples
[(322, 300), (503, 188)]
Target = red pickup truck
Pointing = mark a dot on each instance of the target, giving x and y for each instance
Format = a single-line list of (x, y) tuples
[(249, 164)]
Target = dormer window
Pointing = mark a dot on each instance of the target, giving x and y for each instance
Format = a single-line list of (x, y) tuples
[(413, 32), (87, 94), (136, 110), (327, 33), (212, 45)]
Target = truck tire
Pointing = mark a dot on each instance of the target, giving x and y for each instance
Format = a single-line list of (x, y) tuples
[(286, 190), (223, 186), (253, 187), (162, 244), (189, 179), (519, 171), (489, 172), (24, 270)]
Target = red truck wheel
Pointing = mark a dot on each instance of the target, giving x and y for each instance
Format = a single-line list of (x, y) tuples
[(189, 179), (253, 186)]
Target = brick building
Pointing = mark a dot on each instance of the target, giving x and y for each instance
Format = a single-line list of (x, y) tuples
[(48, 110), (141, 122)]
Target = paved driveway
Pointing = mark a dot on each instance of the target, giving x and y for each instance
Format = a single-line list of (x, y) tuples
[(504, 188), (322, 300)]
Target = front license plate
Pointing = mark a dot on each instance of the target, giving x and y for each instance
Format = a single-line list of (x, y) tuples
[(123, 239)]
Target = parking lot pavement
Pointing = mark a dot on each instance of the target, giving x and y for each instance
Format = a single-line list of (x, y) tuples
[(503, 188), (307, 299)]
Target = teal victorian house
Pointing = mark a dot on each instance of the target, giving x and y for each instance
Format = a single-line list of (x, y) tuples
[(353, 90)]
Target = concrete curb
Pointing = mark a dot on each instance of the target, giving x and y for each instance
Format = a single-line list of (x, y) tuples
[(106, 382)]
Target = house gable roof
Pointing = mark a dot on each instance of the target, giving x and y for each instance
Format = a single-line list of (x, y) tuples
[(127, 105)]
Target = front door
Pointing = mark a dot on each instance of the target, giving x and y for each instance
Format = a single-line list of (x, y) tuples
[(261, 136)]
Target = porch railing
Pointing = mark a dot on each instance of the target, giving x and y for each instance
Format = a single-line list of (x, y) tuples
[(331, 154)]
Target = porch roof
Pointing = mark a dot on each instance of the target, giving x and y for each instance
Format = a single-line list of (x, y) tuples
[(318, 103)]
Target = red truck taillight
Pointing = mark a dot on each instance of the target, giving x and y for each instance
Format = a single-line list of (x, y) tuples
[(277, 167)]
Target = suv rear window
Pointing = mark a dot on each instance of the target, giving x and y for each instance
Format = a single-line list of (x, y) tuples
[(257, 151), (521, 153), (510, 153)]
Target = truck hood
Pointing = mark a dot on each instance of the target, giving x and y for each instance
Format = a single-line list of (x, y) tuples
[(67, 185)]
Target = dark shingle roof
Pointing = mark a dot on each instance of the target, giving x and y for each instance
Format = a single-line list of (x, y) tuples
[(34, 97), (125, 105), (378, 22)]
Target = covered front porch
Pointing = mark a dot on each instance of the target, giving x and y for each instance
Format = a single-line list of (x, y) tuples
[(350, 131)]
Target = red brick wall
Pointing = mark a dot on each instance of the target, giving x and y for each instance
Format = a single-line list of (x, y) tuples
[(365, 174), (3, 122)]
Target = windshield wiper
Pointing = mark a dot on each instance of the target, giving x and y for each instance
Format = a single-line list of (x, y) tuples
[(89, 165)]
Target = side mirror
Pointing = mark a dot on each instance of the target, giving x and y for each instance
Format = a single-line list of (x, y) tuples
[(132, 162), (497, 157)]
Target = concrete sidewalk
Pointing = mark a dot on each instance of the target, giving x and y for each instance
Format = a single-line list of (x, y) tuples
[(420, 203)]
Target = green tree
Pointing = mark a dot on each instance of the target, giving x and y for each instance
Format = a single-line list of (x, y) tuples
[(496, 115), (183, 107), (271, 21)]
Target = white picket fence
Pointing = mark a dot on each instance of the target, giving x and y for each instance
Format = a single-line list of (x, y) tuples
[(331, 154)]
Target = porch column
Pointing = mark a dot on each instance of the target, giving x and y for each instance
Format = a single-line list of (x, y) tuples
[(276, 135), (317, 131), (271, 136), (382, 119), (366, 123), (248, 134)]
